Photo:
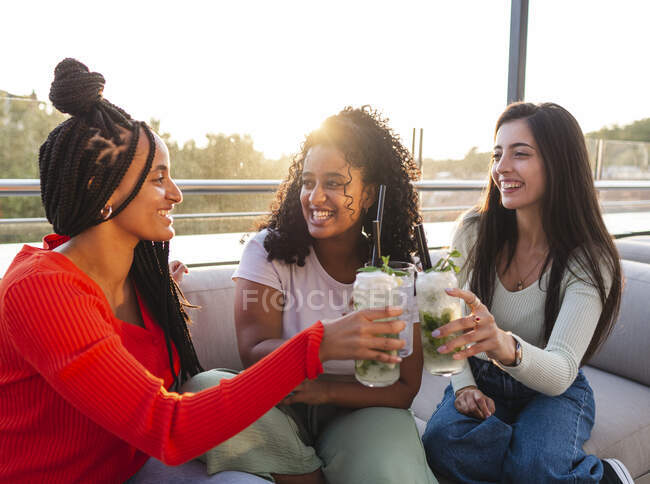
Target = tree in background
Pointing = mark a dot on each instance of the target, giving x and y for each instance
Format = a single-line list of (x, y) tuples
[(626, 150), (222, 157), (636, 131), (25, 123), (473, 166)]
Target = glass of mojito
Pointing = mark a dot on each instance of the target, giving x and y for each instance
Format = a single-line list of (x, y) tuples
[(378, 288), (405, 273), (437, 308)]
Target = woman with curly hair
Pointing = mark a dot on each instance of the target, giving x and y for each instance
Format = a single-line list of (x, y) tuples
[(302, 265)]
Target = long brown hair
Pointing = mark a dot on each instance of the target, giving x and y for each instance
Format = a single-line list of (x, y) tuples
[(571, 220)]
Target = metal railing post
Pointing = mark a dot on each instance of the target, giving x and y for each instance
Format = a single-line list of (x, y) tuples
[(517, 54), (600, 150)]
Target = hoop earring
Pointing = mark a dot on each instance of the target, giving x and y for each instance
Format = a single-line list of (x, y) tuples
[(106, 212)]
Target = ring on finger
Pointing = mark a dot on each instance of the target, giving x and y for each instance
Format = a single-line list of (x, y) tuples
[(475, 302)]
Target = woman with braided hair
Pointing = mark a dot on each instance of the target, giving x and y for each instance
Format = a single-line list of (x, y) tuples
[(94, 342), (301, 265)]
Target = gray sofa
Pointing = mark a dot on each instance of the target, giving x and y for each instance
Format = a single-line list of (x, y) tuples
[(619, 374)]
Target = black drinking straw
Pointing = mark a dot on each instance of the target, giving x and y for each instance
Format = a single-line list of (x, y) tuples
[(423, 248), (376, 248), (376, 228)]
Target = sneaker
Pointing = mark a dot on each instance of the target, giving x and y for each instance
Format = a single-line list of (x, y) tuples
[(615, 472)]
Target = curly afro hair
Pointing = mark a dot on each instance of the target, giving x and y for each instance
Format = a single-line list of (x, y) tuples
[(363, 137)]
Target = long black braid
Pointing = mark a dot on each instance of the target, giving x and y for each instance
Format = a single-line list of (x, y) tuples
[(81, 164)]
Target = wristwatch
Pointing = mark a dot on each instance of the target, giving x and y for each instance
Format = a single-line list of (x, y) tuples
[(518, 354)]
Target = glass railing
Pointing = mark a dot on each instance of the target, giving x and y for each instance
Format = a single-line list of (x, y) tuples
[(232, 206), (619, 160)]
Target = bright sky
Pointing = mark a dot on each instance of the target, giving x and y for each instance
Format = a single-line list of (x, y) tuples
[(276, 69)]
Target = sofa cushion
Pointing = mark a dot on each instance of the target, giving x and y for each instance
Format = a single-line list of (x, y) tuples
[(634, 249), (430, 395), (625, 352), (622, 427), (213, 324), (639, 238)]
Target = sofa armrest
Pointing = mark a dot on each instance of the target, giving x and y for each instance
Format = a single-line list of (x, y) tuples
[(625, 352), (213, 323), (634, 249)]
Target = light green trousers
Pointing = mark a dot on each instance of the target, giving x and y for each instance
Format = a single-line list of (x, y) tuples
[(377, 445)]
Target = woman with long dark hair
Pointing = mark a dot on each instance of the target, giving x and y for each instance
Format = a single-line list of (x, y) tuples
[(542, 281), (94, 341), (301, 265)]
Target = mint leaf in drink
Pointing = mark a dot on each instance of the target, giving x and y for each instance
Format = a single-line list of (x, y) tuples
[(445, 264), (384, 268), (368, 269)]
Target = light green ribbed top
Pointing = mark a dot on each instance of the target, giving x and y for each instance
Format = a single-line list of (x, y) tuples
[(549, 369)]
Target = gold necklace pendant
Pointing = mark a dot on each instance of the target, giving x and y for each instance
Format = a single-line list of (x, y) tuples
[(520, 282)]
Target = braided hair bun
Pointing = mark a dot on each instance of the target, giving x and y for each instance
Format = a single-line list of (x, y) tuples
[(75, 90), (82, 163)]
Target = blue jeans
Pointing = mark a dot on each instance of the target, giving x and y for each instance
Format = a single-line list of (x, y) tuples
[(531, 437)]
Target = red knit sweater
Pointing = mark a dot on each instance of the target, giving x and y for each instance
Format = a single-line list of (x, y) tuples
[(83, 395)]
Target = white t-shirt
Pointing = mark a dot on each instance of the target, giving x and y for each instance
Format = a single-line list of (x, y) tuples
[(310, 293)]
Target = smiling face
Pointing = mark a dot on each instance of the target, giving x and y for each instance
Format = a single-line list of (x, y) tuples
[(147, 217), (333, 195), (518, 168)]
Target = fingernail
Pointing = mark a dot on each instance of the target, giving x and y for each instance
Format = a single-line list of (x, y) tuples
[(477, 319), (456, 356), (442, 348), (435, 333), (449, 291)]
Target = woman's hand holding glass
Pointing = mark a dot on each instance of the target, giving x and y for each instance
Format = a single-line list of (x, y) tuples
[(480, 331), (357, 336)]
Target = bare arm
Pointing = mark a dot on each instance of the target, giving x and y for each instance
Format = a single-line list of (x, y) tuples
[(258, 320)]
